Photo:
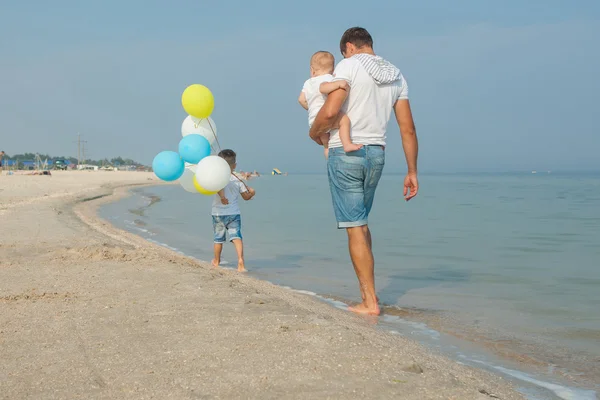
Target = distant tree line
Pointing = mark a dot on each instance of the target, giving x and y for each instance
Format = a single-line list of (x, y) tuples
[(113, 161)]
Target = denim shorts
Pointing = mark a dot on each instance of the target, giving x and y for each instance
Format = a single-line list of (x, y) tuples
[(353, 178), (227, 224)]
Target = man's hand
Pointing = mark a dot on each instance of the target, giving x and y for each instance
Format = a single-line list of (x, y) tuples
[(411, 186), (318, 140)]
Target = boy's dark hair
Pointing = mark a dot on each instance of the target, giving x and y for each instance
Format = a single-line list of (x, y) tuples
[(357, 36), (228, 155)]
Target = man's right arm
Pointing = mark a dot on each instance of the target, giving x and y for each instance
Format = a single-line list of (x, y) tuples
[(410, 144), (408, 132)]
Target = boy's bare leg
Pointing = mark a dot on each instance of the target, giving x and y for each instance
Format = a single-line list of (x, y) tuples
[(344, 131), (217, 260), (239, 248), (325, 141)]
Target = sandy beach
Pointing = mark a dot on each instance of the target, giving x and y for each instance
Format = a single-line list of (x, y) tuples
[(90, 311)]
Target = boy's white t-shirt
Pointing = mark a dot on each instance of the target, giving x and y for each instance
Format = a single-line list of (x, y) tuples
[(369, 105), (232, 192), (314, 97)]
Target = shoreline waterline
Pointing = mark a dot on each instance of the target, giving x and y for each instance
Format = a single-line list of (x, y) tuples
[(498, 348)]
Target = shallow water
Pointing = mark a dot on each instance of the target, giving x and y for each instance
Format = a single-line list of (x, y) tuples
[(507, 261)]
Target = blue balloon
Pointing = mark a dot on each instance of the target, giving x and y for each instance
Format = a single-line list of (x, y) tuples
[(168, 166), (194, 148)]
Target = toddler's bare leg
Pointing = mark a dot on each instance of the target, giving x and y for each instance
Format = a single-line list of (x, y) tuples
[(325, 140), (344, 123)]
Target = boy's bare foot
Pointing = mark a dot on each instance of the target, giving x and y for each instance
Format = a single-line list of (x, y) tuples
[(215, 263), (241, 266), (352, 147), (363, 309)]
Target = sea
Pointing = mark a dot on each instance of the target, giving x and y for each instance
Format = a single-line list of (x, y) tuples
[(497, 271)]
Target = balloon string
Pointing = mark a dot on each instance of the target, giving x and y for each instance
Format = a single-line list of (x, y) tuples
[(214, 134), (219, 146), (243, 183)]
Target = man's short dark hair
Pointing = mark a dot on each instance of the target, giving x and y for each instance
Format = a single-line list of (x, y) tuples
[(357, 36), (228, 155)]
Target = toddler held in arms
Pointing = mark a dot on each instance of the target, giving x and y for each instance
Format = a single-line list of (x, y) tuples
[(313, 97)]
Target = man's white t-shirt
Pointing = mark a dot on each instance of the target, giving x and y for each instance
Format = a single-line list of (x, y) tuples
[(369, 105), (232, 192), (314, 97)]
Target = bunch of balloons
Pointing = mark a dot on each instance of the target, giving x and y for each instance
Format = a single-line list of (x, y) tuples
[(194, 164)]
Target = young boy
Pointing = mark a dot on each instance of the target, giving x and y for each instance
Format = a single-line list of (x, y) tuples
[(313, 95), (226, 213)]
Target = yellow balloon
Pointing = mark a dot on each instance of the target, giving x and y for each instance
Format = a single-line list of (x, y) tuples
[(201, 190), (198, 101)]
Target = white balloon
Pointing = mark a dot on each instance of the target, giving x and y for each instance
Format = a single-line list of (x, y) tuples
[(187, 180), (213, 173), (192, 125)]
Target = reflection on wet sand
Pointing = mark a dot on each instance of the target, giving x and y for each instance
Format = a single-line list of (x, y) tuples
[(577, 368)]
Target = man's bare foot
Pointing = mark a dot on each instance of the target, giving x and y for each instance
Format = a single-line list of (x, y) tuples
[(241, 266), (215, 263), (363, 309), (352, 147)]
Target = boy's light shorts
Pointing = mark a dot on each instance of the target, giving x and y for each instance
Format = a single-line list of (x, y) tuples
[(227, 224)]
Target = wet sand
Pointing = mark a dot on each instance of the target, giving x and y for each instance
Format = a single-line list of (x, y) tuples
[(90, 311)]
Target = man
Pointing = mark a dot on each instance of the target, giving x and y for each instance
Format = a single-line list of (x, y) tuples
[(1, 156), (376, 87)]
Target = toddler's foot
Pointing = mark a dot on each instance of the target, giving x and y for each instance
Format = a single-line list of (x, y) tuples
[(241, 267), (215, 263), (352, 147)]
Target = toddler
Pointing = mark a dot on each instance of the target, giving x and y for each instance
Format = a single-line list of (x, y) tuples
[(313, 95)]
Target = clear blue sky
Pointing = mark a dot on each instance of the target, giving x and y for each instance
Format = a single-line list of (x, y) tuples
[(494, 85)]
